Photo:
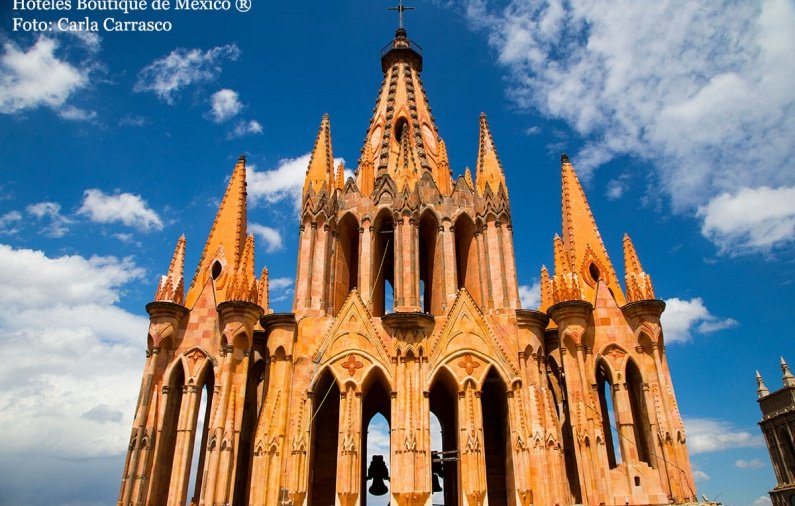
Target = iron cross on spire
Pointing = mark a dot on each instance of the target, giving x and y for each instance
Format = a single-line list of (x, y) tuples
[(400, 9)]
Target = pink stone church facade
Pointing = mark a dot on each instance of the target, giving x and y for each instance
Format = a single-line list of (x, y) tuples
[(407, 305)]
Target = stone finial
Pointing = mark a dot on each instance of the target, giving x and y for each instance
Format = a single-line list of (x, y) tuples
[(339, 179), (788, 378), (172, 286), (546, 290), (468, 178), (638, 283), (761, 390)]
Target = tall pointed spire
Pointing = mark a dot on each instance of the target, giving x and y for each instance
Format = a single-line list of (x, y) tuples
[(227, 239), (787, 378), (761, 389), (172, 286), (468, 178), (321, 163), (243, 286), (489, 169), (582, 240), (639, 286)]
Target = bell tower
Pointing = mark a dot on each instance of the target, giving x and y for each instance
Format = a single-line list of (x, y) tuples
[(407, 307)]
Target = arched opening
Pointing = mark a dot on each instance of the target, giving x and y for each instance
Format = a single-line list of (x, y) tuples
[(499, 467), (604, 386), (168, 435), (401, 129), (437, 464), (557, 385), (787, 453), (443, 399), (245, 448), (325, 435), (430, 269), (640, 417), (466, 257), (376, 413), (346, 270), (202, 424), (383, 261)]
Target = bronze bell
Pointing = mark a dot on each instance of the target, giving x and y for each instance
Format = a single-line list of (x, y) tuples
[(378, 472), (437, 469)]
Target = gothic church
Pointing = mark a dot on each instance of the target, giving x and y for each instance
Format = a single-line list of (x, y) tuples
[(406, 305)]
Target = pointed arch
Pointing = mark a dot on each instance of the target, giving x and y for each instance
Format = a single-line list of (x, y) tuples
[(383, 265), (325, 436), (640, 413), (496, 439), (168, 433), (466, 257), (346, 268), (604, 387), (430, 263), (375, 401), (443, 398), (245, 447)]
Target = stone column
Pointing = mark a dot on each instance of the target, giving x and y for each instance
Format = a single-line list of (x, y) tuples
[(349, 457), (365, 262), (472, 473)]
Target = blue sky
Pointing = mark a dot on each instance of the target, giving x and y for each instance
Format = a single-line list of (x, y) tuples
[(679, 118)]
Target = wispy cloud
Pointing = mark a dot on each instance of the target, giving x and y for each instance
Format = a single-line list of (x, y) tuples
[(126, 208), (706, 435), (271, 236), (530, 295), (49, 214), (283, 183), (704, 92), (682, 317), (9, 222), (166, 76), (242, 128), (35, 77), (225, 104)]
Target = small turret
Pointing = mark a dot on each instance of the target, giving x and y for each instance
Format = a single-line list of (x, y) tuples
[(339, 178), (761, 390), (639, 286), (787, 378), (366, 172), (172, 286), (546, 290)]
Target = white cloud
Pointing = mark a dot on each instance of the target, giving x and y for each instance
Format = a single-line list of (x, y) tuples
[(271, 236), (704, 92), (126, 208), (245, 128), (285, 182), (617, 186), (57, 225), (749, 464), (700, 475), (751, 219), (682, 316), (36, 77), (706, 435), (225, 104), (763, 500), (73, 113), (281, 289), (9, 222), (70, 390), (530, 295), (166, 76)]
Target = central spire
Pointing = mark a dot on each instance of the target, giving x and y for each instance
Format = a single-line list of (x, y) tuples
[(402, 121)]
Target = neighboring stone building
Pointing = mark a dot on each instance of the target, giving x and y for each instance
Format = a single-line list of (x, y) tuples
[(407, 304), (778, 426)]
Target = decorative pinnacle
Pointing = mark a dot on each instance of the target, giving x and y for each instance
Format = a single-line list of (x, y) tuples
[(761, 390), (788, 378), (564, 158)]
